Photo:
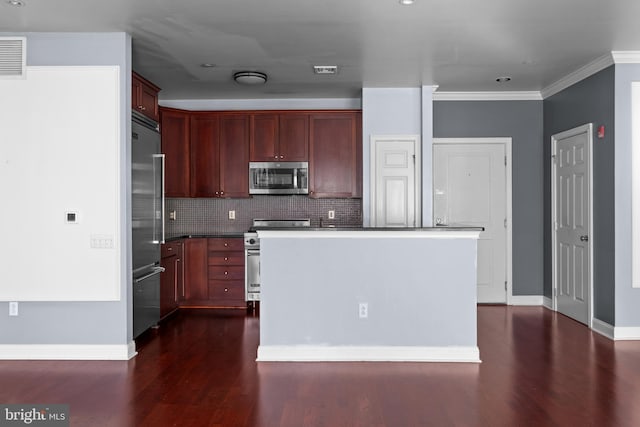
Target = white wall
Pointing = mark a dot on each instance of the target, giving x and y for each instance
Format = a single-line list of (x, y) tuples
[(81, 327), (397, 111)]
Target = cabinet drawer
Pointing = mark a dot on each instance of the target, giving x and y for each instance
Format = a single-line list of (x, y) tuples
[(226, 290), (226, 258), (223, 272), (226, 244), (171, 249)]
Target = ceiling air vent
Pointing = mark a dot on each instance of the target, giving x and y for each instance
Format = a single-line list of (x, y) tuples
[(13, 57)]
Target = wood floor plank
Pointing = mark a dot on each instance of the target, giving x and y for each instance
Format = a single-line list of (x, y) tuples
[(538, 368)]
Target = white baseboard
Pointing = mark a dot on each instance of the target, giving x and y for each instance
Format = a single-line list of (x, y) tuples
[(603, 328), (305, 353), (547, 302), (526, 299), (616, 333), (67, 352)]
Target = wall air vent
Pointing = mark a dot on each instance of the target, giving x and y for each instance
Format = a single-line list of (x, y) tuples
[(13, 57)]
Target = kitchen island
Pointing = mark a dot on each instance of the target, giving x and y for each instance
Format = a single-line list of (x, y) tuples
[(368, 294)]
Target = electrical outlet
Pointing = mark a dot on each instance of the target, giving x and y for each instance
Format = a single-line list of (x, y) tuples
[(232, 214), (172, 215), (332, 214), (13, 308), (363, 310)]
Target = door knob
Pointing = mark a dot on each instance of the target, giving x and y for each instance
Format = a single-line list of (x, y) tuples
[(584, 238)]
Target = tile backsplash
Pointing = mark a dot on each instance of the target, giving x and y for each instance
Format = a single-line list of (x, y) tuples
[(210, 216)]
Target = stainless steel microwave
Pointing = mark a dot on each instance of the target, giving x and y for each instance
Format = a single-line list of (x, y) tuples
[(278, 178)]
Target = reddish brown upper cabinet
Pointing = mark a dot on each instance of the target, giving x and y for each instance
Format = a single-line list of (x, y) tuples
[(234, 155), (175, 129), (144, 97), (335, 155), (219, 155), (205, 155), (279, 137)]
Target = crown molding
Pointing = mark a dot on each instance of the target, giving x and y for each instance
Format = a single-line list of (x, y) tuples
[(626, 56), (488, 96), (580, 74)]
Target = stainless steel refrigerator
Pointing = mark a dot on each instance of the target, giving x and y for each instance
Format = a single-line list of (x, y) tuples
[(147, 208)]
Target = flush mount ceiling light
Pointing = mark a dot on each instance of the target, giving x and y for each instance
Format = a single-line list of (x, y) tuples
[(325, 69), (503, 79), (250, 77), (406, 2), (16, 3)]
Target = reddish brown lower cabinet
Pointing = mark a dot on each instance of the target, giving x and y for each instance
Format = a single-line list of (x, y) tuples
[(226, 272), (171, 280), (196, 292), (214, 273)]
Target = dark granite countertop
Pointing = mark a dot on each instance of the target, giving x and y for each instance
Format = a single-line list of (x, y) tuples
[(200, 236)]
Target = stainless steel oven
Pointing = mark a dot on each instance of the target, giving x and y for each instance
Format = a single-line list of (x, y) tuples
[(252, 251)]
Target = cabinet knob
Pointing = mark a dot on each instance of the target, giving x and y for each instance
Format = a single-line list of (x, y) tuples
[(226, 289), (226, 258), (226, 273), (169, 248), (225, 245), (221, 193)]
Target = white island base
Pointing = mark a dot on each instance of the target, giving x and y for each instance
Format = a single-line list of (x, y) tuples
[(419, 287)]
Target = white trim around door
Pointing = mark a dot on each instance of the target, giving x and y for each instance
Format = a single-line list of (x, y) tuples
[(507, 142)]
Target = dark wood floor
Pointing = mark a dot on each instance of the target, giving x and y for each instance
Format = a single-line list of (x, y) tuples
[(539, 369)]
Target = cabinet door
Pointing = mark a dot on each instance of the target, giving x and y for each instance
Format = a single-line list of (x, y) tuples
[(333, 155), (205, 155), (175, 145), (294, 137), (168, 285), (264, 138), (144, 97), (149, 102), (196, 271), (234, 155)]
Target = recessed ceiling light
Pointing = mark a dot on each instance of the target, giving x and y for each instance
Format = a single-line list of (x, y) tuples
[(503, 79), (250, 77), (406, 2), (16, 3), (325, 69), (207, 65)]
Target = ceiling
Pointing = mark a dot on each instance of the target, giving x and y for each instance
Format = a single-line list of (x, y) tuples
[(460, 45)]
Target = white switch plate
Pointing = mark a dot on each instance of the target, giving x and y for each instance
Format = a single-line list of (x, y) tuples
[(232, 214), (13, 308), (100, 241), (332, 214), (172, 215)]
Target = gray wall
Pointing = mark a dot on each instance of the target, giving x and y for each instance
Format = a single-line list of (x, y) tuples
[(80, 322), (522, 121), (311, 288), (588, 101)]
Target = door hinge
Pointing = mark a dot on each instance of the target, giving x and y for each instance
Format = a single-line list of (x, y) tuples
[(505, 285), (414, 158), (553, 158), (505, 160), (505, 223), (555, 292)]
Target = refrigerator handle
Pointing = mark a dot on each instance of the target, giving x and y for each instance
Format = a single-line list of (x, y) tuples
[(162, 201), (156, 270), (158, 222)]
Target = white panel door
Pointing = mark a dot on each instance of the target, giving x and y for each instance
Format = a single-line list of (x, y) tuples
[(469, 182), (395, 183), (572, 224)]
